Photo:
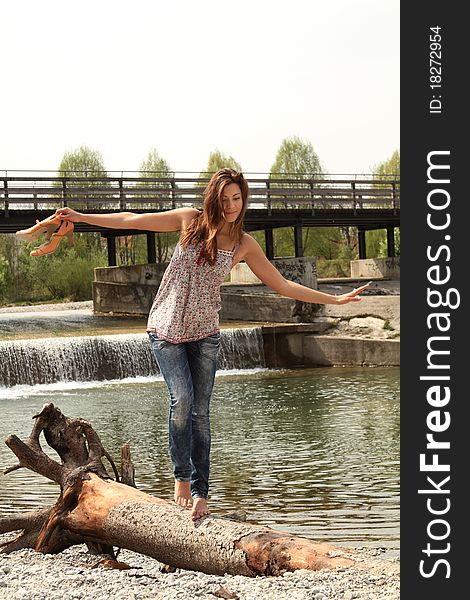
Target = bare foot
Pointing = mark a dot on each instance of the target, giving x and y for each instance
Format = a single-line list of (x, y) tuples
[(200, 508), (183, 493)]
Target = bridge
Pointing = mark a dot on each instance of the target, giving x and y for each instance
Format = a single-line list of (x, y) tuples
[(365, 202)]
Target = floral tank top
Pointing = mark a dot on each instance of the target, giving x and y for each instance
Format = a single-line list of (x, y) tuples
[(186, 306)]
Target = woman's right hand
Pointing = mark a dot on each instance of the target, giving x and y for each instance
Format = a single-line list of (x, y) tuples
[(68, 214)]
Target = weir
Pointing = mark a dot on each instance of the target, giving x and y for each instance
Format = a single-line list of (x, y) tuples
[(98, 358)]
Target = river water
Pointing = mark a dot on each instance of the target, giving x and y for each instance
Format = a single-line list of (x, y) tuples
[(314, 452)]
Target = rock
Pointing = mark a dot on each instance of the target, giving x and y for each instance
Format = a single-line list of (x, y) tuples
[(223, 592)]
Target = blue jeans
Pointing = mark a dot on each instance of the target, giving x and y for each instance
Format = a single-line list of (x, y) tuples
[(189, 372)]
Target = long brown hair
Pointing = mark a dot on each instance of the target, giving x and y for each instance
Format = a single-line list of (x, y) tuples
[(203, 228)]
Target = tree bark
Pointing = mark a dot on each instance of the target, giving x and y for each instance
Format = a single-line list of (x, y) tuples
[(103, 513)]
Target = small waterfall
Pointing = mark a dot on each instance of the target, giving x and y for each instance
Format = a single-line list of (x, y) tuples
[(241, 348), (98, 358)]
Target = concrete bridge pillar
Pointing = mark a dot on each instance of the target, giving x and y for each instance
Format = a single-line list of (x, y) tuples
[(111, 242), (361, 238), (390, 241), (269, 239), (298, 241), (151, 252)]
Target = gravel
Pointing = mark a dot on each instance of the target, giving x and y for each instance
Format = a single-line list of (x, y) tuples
[(74, 574)]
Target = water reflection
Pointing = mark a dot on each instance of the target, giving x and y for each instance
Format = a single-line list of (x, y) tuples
[(314, 452)]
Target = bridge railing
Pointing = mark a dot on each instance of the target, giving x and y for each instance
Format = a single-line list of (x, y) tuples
[(162, 193)]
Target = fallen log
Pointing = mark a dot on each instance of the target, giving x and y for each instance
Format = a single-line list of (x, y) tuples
[(103, 513)]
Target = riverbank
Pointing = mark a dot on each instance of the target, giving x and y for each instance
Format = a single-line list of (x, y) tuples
[(73, 575)]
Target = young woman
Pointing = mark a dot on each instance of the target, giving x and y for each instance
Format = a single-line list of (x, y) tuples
[(183, 323)]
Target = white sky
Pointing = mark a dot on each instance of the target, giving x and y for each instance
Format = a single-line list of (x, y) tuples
[(187, 77)]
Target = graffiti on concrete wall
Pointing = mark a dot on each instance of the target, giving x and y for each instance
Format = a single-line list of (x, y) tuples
[(300, 270), (376, 267)]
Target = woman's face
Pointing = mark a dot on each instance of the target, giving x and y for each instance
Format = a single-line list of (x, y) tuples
[(232, 202)]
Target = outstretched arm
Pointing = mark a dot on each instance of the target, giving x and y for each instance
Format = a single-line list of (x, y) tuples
[(270, 276), (171, 220)]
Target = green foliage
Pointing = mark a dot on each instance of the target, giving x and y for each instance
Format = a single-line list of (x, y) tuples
[(5, 278), (320, 241), (218, 160), (390, 167), (347, 251), (132, 249), (396, 236), (11, 283), (165, 244), (323, 242), (260, 238), (320, 247), (376, 243), (89, 247), (296, 158), (337, 267), (383, 250), (376, 240), (155, 166), (66, 274), (82, 162)]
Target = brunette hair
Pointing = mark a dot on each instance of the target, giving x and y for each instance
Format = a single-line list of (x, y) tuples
[(203, 228)]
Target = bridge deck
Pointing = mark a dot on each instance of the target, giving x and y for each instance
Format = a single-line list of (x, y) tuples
[(363, 202)]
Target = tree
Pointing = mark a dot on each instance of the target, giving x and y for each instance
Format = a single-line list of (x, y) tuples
[(94, 509), (5, 279), (27, 278), (388, 168), (376, 240), (156, 166), (30, 279), (82, 162), (298, 159), (88, 163), (218, 160)]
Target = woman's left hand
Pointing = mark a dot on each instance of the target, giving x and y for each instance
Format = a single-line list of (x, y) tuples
[(351, 296)]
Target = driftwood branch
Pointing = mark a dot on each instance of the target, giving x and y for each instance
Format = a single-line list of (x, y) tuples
[(17, 521), (94, 509), (13, 468), (127, 466), (75, 441), (35, 460)]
